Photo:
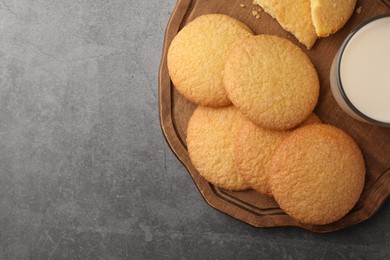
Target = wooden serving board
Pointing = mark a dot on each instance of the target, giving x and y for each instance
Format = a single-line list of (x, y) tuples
[(249, 206)]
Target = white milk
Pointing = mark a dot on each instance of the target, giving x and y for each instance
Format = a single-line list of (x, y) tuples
[(365, 70)]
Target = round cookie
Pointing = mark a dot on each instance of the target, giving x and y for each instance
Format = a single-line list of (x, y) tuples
[(329, 16), (317, 174), (210, 141), (197, 55), (271, 81), (253, 151)]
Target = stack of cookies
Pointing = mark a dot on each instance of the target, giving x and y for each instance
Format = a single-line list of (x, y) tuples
[(255, 127)]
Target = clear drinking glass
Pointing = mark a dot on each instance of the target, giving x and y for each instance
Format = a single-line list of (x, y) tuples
[(360, 72)]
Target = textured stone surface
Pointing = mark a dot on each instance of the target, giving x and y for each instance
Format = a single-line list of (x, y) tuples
[(85, 172)]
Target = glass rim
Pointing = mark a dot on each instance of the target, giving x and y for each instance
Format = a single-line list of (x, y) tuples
[(338, 74)]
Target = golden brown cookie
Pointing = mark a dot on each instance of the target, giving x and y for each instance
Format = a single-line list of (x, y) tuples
[(329, 16), (253, 151), (271, 81), (197, 55), (210, 141), (294, 16), (317, 174)]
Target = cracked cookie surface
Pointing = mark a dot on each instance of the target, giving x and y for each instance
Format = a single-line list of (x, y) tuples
[(271, 81), (317, 174), (197, 55)]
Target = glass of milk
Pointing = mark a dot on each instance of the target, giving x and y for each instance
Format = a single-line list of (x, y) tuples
[(360, 72)]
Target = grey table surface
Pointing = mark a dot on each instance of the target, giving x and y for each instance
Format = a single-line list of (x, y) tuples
[(85, 172)]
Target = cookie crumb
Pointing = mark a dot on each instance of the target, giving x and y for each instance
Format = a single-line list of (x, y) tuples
[(255, 13), (254, 2), (242, 6), (359, 10), (257, 16)]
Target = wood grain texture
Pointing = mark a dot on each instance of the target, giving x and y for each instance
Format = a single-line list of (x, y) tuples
[(250, 206)]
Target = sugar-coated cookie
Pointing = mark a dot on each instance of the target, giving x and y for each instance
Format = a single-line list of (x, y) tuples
[(271, 81), (210, 140), (197, 55), (317, 174)]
